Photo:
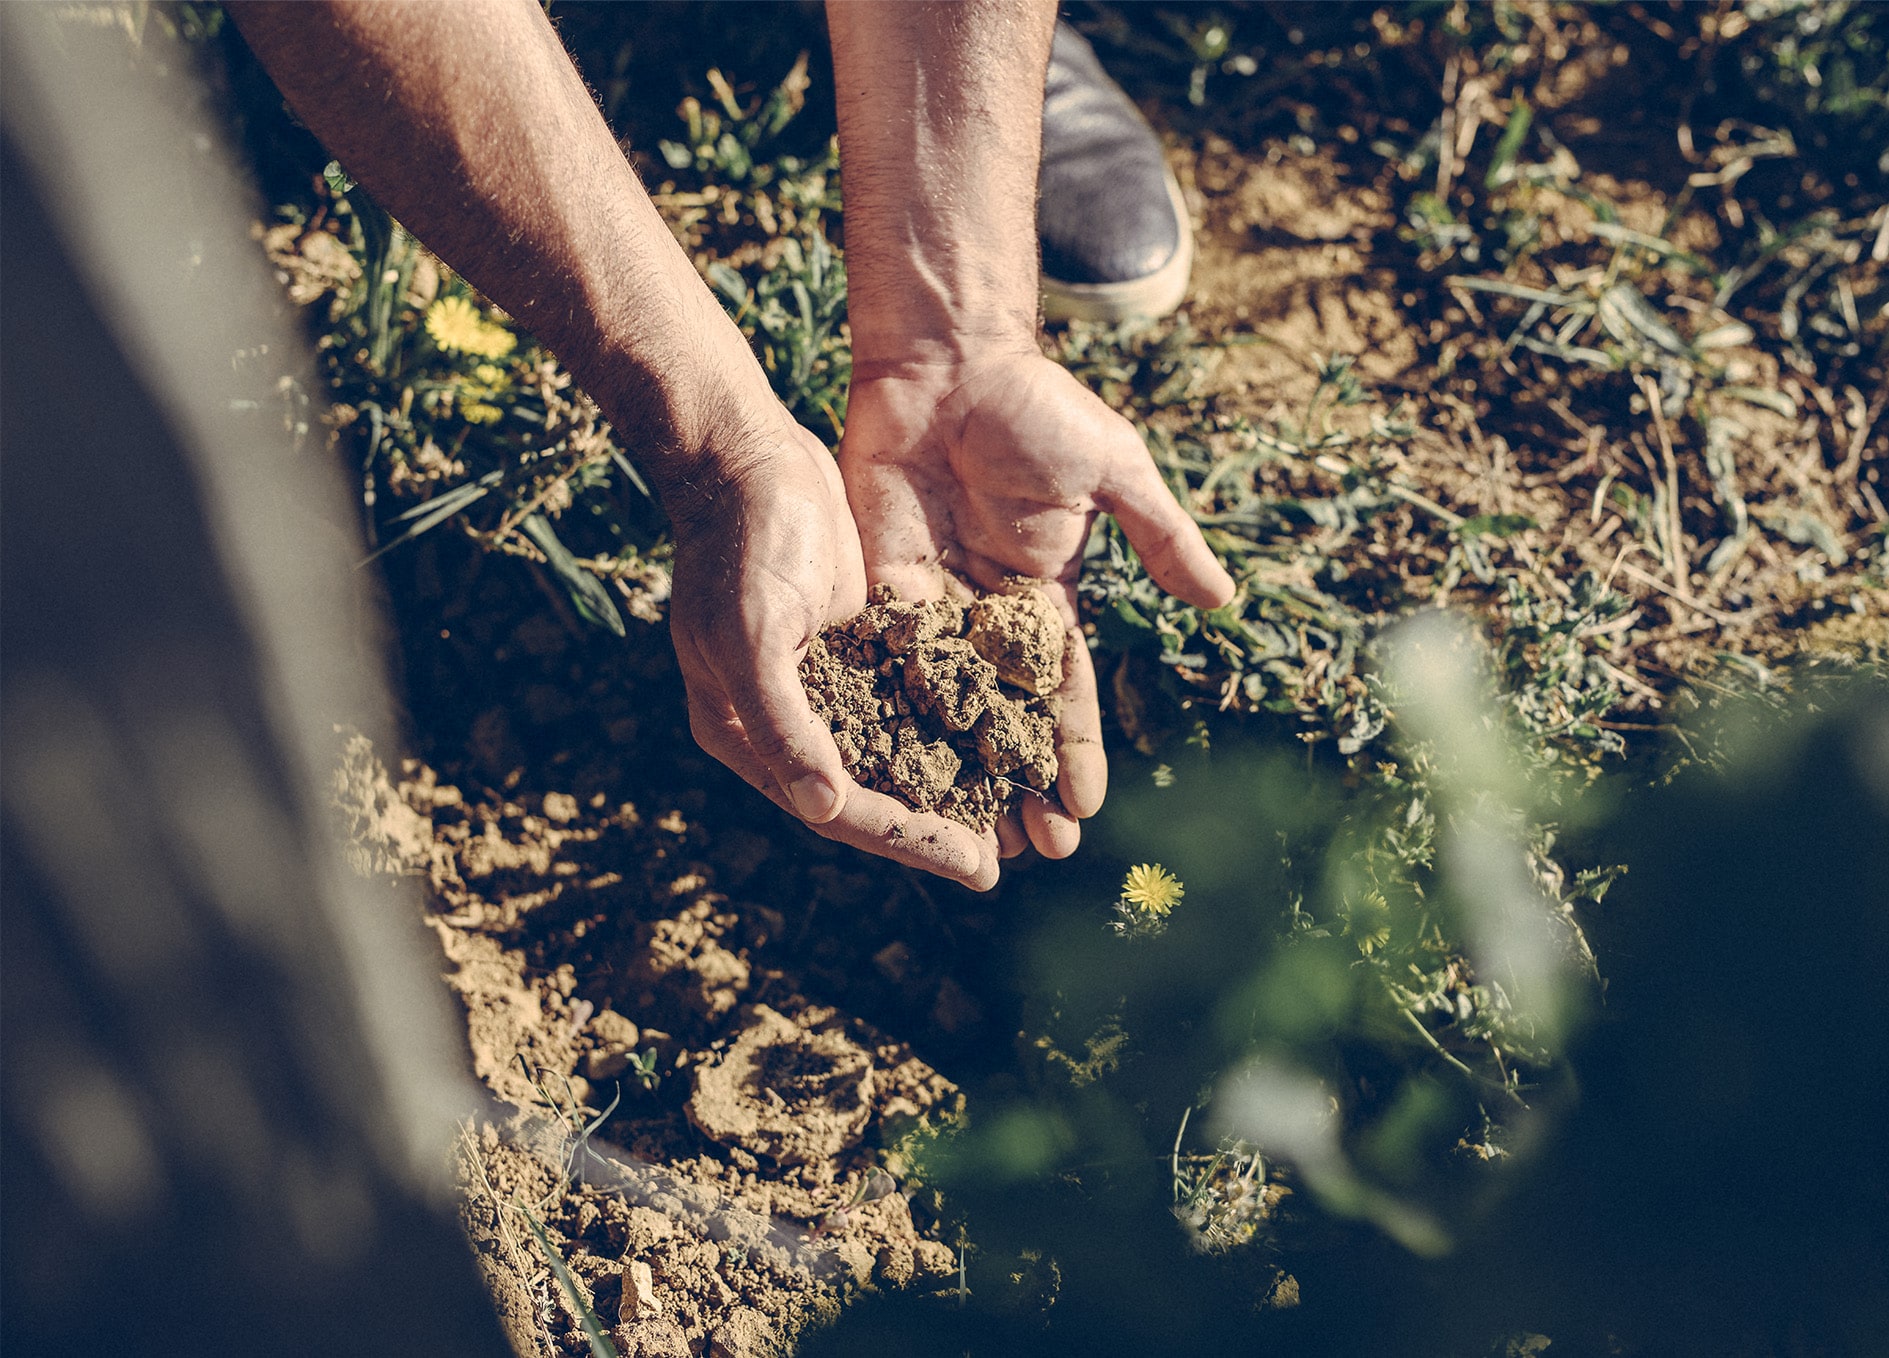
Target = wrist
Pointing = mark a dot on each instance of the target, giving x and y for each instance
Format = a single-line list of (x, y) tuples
[(686, 397), (929, 308), (897, 348), (942, 365), (941, 288)]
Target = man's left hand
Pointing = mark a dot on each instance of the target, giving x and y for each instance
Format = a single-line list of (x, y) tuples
[(993, 469)]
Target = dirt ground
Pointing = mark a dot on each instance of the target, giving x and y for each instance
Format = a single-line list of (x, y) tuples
[(702, 1027)]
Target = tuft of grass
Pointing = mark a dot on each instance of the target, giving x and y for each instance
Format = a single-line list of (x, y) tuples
[(575, 1127), (600, 1345), (575, 1297)]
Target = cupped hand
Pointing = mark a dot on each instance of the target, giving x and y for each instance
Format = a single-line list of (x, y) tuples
[(767, 555), (994, 469)]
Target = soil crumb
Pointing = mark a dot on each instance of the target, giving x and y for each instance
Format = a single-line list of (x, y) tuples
[(948, 709)]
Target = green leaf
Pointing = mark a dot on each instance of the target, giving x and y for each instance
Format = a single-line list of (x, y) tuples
[(1131, 615), (587, 592), (1494, 525)]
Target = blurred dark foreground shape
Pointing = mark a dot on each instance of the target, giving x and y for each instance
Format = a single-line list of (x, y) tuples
[(229, 1083)]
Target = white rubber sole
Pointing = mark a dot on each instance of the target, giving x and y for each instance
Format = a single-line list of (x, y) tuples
[(1147, 298)]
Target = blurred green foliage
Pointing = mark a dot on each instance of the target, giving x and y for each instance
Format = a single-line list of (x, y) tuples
[(1200, 1110)]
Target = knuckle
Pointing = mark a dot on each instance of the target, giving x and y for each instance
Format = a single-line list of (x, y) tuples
[(767, 744), (1160, 544)]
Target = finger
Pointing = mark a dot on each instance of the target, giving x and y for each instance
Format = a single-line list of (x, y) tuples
[(1166, 537), (919, 581), (1012, 839), (870, 820), (1081, 763), (715, 728), (720, 731), (881, 825), (1053, 831), (849, 577), (795, 746)]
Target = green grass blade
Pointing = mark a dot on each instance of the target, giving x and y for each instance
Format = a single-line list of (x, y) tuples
[(588, 595), (1625, 314), (431, 513), (600, 1345), (628, 468), (1665, 249), (1516, 290), (459, 497), (1512, 137)]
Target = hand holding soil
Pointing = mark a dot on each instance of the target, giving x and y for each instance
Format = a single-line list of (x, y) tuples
[(761, 565), (966, 451), (993, 470)]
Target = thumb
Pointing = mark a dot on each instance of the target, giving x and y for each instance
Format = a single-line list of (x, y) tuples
[(1165, 536), (786, 736)]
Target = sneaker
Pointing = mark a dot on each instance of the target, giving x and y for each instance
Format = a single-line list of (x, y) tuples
[(1117, 243)]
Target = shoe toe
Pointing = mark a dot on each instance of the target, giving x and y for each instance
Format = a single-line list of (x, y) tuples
[(1107, 229)]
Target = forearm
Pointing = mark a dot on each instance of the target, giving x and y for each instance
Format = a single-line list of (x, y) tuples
[(469, 124), (940, 118)]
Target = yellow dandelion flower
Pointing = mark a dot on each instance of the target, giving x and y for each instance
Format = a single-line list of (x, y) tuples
[(490, 374), (456, 325), (1151, 888), (1368, 921)]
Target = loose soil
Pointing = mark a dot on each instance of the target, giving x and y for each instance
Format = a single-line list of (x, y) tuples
[(730, 1199), (947, 708)]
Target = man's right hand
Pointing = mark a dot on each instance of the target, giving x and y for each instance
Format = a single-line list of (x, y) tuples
[(767, 555)]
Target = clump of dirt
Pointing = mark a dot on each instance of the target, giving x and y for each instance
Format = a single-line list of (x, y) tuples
[(701, 1142), (785, 1092), (947, 708)]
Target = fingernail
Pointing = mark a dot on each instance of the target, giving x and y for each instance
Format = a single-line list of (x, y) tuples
[(815, 799)]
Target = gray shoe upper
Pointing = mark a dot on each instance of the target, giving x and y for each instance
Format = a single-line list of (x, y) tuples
[(1104, 213)]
